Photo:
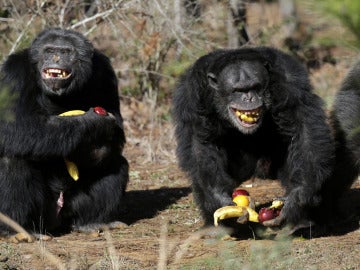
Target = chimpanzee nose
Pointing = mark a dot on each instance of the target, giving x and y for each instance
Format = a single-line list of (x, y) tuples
[(56, 58)]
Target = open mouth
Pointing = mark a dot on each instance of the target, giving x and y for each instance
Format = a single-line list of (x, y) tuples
[(57, 73), (248, 117)]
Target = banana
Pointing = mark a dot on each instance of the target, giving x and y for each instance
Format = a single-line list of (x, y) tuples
[(72, 169), (253, 215), (229, 212), (249, 204), (72, 113), (244, 210), (71, 166), (235, 211), (277, 204)]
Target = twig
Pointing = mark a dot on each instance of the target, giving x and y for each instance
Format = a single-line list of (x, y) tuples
[(114, 258), (175, 32), (17, 41), (163, 248), (6, 19), (62, 13), (98, 15), (14, 225)]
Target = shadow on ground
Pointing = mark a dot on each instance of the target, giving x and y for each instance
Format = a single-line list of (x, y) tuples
[(349, 209), (147, 203), (346, 218)]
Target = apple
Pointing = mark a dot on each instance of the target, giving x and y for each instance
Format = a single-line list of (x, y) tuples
[(100, 111), (266, 214), (241, 200), (238, 192)]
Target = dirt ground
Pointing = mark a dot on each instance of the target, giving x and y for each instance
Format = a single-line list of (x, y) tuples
[(164, 232)]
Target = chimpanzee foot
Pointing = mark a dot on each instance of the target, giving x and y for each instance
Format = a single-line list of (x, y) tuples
[(21, 237), (99, 227)]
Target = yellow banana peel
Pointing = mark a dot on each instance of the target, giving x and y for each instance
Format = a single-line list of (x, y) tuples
[(249, 204), (72, 169), (277, 204), (229, 212), (253, 215), (72, 113), (71, 166), (232, 211), (244, 209)]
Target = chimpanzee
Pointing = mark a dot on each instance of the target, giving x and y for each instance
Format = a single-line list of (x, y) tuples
[(61, 71), (235, 110)]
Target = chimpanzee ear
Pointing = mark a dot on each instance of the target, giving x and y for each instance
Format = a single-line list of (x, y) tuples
[(212, 80)]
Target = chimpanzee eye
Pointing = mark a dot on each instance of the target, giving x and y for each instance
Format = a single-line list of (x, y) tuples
[(66, 50), (49, 50)]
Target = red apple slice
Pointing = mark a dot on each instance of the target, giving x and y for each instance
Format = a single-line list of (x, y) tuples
[(238, 192), (100, 111)]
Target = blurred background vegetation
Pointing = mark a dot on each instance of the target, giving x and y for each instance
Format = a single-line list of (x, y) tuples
[(151, 42)]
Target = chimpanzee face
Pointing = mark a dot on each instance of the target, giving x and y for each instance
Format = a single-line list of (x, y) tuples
[(63, 62), (241, 94)]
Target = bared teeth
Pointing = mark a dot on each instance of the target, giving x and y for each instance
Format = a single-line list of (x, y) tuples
[(56, 73), (53, 70), (249, 117)]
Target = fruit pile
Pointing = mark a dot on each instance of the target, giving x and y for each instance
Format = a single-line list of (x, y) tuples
[(244, 209)]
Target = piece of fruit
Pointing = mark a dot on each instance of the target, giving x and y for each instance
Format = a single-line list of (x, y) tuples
[(71, 166), (266, 214), (229, 212), (72, 169), (72, 113), (100, 111), (244, 209), (239, 191), (241, 200), (253, 216), (277, 204), (241, 212)]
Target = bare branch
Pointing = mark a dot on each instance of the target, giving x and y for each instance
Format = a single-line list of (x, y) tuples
[(102, 15), (17, 41), (14, 225), (62, 13), (6, 19)]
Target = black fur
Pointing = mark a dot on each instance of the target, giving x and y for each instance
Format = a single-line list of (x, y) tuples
[(34, 140), (345, 119), (291, 134)]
